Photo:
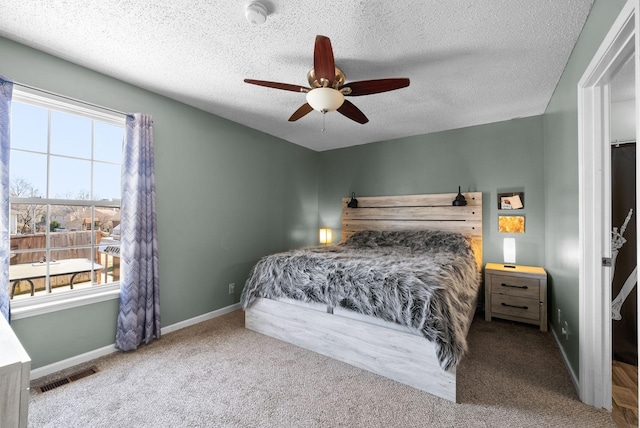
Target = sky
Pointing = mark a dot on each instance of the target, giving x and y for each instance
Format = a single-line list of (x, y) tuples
[(71, 151)]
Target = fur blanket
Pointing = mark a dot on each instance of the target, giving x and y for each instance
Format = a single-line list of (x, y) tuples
[(427, 280)]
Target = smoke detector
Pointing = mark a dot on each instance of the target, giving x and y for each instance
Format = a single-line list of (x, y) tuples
[(256, 13)]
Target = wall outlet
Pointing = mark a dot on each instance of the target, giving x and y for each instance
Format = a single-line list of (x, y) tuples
[(232, 288), (565, 330)]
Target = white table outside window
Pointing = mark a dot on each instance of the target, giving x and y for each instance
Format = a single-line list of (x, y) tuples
[(30, 271)]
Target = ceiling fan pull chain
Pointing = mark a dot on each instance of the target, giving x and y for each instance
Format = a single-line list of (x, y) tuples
[(324, 114)]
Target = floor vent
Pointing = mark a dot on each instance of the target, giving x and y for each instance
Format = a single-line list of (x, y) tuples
[(71, 378)]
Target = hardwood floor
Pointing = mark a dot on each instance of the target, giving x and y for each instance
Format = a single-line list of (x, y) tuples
[(625, 394)]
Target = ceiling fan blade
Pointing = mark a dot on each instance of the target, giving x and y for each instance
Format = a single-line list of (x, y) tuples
[(302, 111), (277, 85), (352, 112), (323, 62), (368, 87)]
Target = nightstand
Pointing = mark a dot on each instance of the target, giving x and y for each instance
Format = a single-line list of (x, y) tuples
[(517, 293)]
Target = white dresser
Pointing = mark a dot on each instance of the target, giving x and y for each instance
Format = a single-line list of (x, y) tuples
[(15, 366)]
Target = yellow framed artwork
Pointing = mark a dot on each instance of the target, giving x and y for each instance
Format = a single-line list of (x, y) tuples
[(511, 223)]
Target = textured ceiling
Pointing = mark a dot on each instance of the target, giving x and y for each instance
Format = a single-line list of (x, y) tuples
[(470, 61)]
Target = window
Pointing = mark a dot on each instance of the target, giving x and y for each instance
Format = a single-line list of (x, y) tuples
[(65, 163)]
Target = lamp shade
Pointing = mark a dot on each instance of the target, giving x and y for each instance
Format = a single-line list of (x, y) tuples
[(509, 249), (325, 236), (325, 99)]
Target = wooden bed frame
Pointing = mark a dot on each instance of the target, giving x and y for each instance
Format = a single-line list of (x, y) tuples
[(402, 356)]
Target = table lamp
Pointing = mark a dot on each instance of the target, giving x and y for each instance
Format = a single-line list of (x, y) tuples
[(509, 252)]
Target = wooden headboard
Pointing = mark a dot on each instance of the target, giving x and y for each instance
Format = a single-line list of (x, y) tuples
[(416, 212)]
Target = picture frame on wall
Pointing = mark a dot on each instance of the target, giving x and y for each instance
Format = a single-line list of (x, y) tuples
[(511, 223), (511, 201)]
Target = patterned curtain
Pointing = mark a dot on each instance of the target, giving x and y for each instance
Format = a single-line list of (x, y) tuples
[(139, 316), (6, 90)]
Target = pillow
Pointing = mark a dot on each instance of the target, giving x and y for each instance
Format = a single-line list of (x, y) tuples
[(363, 239), (418, 240)]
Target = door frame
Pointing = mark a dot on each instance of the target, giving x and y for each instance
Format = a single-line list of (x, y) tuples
[(594, 151)]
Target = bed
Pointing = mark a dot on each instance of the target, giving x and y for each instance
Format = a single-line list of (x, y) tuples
[(396, 296)]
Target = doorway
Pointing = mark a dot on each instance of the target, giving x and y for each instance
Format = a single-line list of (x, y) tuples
[(596, 223), (624, 272)]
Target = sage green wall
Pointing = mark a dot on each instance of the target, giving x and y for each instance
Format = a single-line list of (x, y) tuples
[(560, 123), (221, 189), (226, 195), (503, 156)]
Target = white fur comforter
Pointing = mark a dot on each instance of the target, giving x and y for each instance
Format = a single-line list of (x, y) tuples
[(426, 279)]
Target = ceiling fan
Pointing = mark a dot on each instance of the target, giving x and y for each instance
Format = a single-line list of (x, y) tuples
[(328, 87)]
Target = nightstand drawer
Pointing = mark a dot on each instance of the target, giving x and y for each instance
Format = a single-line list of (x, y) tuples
[(515, 286), (515, 306)]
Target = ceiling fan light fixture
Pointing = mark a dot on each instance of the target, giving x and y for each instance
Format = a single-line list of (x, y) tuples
[(325, 100), (328, 87)]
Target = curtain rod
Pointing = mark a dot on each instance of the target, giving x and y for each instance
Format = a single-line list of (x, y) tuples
[(70, 98)]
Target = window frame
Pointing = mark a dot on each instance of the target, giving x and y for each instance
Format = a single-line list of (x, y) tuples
[(51, 302)]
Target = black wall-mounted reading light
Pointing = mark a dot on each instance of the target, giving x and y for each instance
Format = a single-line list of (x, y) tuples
[(459, 201), (353, 203)]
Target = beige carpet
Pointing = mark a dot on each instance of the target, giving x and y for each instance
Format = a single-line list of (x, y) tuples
[(218, 374)]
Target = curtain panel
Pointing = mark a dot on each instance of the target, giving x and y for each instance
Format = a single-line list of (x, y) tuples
[(6, 91), (139, 314)]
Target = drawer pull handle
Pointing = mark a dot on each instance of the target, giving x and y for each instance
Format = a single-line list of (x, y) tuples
[(515, 306), (524, 287)]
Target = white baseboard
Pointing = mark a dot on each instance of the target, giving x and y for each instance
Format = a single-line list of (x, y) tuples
[(73, 361), (200, 318), (106, 350), (572, 374)]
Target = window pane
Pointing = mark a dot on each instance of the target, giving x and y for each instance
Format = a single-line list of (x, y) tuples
[(107, 219), (28, 174), (20, 256), (110, 260), (74, 253), (109, 243), (70, 135), (70, 218), (26, 265), (106, 181), (72, 269), (29, 219), (107, 142), (70, 178), (28, 127)]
